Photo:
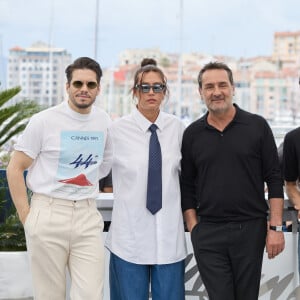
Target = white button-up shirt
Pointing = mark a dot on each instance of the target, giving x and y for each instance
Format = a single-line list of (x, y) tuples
[(135, 234)]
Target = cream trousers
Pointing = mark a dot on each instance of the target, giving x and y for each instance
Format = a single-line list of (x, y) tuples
[(63, 234)]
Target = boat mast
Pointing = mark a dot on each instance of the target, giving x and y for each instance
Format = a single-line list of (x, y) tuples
[(179, 75), (96, 31)]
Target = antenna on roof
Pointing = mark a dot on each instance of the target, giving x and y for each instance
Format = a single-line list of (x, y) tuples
[(179, 73), (96, 30), (50, 45)]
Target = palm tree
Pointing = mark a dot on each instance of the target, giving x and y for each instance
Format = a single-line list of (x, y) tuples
[(13, 117)]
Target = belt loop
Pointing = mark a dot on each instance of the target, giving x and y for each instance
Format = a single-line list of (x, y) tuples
[(89, 201), (51, 201)]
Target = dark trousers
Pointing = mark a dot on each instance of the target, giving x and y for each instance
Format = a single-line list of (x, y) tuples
[(229, 257)]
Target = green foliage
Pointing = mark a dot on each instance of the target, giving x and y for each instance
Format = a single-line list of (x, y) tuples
[(4, 159), (13, 117), (12, 236)]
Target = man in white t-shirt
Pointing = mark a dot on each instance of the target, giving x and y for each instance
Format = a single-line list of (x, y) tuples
[(66, 151)]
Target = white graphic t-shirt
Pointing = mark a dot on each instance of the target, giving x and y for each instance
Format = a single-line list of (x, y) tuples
[(70, 152)]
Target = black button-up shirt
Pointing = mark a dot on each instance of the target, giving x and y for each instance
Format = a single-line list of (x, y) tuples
[(223, 173)]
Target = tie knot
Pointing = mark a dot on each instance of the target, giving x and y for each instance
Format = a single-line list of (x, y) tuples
[(153, 128)]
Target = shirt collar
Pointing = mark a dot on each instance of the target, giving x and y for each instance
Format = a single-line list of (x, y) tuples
[(76, 115), (144, 123), (239, 116)]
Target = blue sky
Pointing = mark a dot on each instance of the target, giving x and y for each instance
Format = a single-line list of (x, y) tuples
[(233, 27)]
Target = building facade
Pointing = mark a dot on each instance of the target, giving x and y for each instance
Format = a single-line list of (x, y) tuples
[(286, 46), (40, 71), (266, 85)]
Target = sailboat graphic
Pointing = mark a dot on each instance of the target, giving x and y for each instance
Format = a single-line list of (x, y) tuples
[(80, 180)]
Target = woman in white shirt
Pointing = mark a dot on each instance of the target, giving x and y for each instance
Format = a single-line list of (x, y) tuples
[(146, 247)]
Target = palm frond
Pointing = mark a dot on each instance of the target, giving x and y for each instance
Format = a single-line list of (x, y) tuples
[(13, 118), (14, 114), (6, 95), (11, 134)]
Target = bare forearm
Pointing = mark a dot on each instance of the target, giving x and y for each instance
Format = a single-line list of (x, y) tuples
[(16, 182), (190, 217), (293, 193), (276, 211), (275, 240)]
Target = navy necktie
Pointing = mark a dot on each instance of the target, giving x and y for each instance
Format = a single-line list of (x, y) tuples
[(154, 187)]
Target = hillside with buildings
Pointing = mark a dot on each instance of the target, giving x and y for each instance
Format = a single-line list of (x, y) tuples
[(267, 85)]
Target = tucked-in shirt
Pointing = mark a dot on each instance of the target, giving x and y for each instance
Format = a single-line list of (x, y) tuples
[(223, 173), (135, 234), (291, 155)]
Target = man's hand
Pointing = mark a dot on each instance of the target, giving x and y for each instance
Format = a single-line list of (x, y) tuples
[(274, 243), (191, 220)]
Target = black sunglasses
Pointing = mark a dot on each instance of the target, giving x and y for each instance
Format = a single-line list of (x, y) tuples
[(90, 84), (156, 87)]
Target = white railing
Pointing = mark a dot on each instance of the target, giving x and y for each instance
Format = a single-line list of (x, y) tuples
[(279, 280)]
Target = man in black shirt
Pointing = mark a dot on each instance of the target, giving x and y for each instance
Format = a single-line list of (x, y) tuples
[(291, 171), (227, 156), (291, 165)]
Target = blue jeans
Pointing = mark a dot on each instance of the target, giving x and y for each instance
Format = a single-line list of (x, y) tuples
[(129, 281)]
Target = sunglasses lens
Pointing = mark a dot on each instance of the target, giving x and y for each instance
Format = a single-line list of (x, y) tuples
[(77, 84), (92, 85), (158, 88), (145, 88)]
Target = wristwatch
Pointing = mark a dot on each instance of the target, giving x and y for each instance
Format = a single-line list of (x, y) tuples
[(276, 228)]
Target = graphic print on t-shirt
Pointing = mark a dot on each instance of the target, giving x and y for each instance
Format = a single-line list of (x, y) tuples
[(81, 153)]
